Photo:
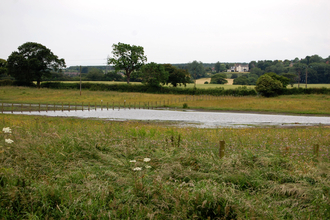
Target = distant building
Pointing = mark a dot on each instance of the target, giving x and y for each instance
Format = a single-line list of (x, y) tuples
[(239, 68)]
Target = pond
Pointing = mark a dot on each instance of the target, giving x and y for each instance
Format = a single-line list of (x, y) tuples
[(193, 118)]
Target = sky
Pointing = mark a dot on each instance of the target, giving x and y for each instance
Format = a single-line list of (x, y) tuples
[(83, 31)]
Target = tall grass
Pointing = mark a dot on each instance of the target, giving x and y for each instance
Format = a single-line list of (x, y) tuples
[(296, 104), (73, 168)]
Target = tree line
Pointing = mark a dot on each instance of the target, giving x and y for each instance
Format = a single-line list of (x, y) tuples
[(35, 62)]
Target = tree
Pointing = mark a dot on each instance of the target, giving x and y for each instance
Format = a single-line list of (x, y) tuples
[(256, 71), (292, 78), (267, 86), (285, 81), (176, 76), (127, 57), (219, 78), (32, 62), (153, 74), (3, 67), (95, 74), (217, 67), (113, 76), (196, 70)]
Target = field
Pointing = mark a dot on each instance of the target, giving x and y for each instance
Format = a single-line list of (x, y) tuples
[(200, 84), (62, 168), (294, 104), (69, 168)]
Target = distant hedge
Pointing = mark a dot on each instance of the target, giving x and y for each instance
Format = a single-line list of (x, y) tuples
[(241, 91), (9, 82)]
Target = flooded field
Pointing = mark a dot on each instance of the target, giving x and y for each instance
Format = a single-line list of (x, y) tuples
[(193, 118)]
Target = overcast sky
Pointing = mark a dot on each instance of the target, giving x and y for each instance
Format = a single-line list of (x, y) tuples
[(83, 31)]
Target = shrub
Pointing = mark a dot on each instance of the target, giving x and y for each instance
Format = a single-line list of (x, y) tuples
[(268, 87), (219, 78), (206, 82)]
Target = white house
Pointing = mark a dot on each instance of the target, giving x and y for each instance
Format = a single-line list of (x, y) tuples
[(239, 68)]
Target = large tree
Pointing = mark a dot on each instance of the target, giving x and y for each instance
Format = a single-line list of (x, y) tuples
[(154, 74), (127, 57), (176, 76), (3, 67), (196, 70), (32, 62)]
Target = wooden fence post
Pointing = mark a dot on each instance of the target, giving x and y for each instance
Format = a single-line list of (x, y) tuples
[(39, 107), (62, 106), (12, 107), (82, 106), (316, 150), (2, 108), (54, 107), (222, 149), (21, 107), (69, 106)]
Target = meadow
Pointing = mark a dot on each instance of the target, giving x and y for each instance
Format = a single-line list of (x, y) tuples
[(293, 104), (68, 168), (200, 84)]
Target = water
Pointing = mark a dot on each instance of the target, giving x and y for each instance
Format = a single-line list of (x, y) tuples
[(193, 118)]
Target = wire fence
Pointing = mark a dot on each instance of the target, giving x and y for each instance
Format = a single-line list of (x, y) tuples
[(89, 106)]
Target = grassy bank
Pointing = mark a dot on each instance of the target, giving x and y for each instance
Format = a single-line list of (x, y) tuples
[(74, 169), (295, 104)]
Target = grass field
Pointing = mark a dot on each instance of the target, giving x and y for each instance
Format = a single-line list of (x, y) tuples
[(295, 104), (63, 168), (200, 84)]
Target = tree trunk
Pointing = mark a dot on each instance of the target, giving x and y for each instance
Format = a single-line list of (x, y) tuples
[(38, 84), (128, 76)]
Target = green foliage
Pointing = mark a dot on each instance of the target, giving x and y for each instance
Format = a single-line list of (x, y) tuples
[(219, 78), (284, 80), (154, 74), (246, 79), (206, 82), (95, 74), (196, 70), (241, 91), (268, 87), (234, 76), (256, 71), (176, 76), (292, 78), (128, 58), (217, 67), (113, 76), (3, 67), (32, 62)]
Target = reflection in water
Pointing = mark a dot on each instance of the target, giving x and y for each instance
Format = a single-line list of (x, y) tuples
[(201, 119)]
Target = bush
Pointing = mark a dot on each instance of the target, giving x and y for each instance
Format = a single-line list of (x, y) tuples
[(219, 78), (206, 82), (268, 87)]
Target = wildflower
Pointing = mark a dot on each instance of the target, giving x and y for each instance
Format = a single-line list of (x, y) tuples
[(137, 168), (6, 130), (132, 161), (148, 167), (9, 141), (146, 159)]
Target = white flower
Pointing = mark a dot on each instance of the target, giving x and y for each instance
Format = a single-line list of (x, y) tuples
[(6, 130), (148, 167), (137, 168), (146, 159), (9, 141), (132, 161)]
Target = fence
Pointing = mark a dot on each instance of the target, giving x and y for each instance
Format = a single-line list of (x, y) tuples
[(20, 107)]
